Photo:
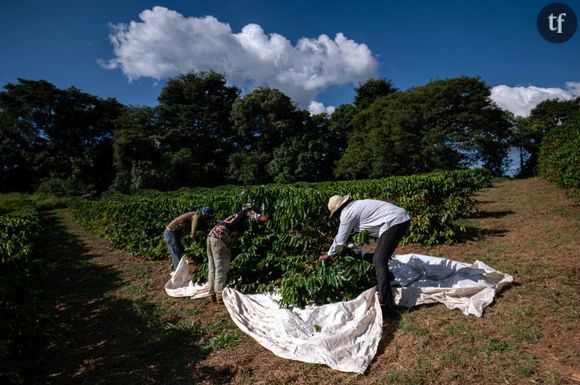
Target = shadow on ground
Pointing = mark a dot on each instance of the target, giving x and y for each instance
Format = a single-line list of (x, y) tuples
[(94, 337), (493, 214), (389, 328), (473, 233)]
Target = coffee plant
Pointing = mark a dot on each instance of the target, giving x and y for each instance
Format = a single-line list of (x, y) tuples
[(559, 160), (282, 253), (20, 273)]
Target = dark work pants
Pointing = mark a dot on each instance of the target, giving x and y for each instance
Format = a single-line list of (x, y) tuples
[(386, 245)]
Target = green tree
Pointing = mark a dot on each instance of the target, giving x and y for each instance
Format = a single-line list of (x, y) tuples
[(471, 126), (340, 126), (138, 158), (546, 116), (249, 167), (559, 159), (194, 116), (443, 125), (520, 134), (263, 119), (27, 112), (52, 134), (369, 91), (310, 155)]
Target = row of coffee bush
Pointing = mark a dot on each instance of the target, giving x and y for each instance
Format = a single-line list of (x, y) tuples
[(281, 254)]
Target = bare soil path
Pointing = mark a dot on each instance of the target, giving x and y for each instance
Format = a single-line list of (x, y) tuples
[(110, 321)]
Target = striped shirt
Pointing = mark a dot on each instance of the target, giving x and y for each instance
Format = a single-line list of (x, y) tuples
[(232, 227)]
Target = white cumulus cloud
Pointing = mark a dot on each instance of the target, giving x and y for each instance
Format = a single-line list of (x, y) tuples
[(521, 100), (316, 108), (573, 88), (165, 43)]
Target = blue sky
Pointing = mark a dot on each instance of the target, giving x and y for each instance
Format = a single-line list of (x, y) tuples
[(409, 42)]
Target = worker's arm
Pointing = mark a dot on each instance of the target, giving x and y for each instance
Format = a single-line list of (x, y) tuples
[(256, 217), (341, 238), (194, 220), (177, 222)]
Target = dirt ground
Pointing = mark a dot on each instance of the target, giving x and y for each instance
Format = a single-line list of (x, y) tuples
[(110, 321)]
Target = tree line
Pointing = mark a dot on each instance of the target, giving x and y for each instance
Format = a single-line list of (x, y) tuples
[(203, 132)]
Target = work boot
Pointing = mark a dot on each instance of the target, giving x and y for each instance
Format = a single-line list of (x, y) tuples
[(212, 297)]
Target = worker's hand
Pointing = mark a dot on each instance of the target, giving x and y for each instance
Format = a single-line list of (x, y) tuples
[(264, 218)]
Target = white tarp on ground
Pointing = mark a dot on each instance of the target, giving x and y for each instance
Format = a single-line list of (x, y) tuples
[(422, 279), (345, 335)]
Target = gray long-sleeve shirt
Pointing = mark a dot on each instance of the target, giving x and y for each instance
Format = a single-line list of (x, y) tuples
[(371, 215)]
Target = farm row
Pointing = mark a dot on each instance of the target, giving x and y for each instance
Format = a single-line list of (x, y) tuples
[(20, 279), (283, 253)]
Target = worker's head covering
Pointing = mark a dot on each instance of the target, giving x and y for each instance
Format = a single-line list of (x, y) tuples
[(247, 206), (206, 210), (336, 202)]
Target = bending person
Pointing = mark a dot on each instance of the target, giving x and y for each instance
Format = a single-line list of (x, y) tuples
[(219, 243), (177, 228), (382, 220)]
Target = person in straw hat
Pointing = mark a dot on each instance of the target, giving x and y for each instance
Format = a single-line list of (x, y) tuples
[(382, 220)]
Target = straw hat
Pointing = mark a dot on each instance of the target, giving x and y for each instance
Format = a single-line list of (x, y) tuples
[(336, 202)]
